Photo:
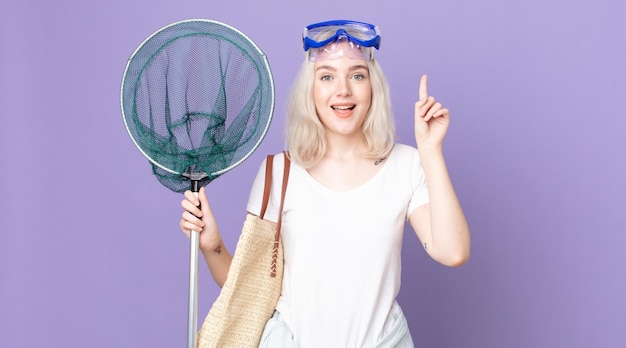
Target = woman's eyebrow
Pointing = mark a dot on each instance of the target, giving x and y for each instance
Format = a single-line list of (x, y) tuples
[(357, 67), (332, 68), (327, 67)]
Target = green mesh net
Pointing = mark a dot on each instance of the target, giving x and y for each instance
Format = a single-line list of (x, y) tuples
[(197, 99)]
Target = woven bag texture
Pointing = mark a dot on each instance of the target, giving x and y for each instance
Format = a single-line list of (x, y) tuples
[(249, 295)]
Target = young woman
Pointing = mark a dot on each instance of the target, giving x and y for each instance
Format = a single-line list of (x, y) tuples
[(351, 190)]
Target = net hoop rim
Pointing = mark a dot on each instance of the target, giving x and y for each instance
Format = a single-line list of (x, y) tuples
[(267, 69)]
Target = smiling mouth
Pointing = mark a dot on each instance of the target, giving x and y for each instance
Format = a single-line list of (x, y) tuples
[(343, 107)]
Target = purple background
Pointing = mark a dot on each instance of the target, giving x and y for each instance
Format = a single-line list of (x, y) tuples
[(90, 251)]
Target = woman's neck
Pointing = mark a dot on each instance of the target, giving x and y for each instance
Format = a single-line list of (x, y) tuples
[(345, 147)]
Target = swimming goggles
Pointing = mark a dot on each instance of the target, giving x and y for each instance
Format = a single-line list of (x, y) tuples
[(325, 37)]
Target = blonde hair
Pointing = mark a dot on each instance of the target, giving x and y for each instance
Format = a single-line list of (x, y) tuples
[(305, 134)]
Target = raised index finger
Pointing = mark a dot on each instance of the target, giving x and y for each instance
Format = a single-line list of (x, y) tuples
[(423, 87)]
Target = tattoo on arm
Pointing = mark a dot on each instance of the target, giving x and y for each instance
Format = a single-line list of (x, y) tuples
[(218, 250), (425, 246)]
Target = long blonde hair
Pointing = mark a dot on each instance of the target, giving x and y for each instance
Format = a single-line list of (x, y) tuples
[(305, 134)]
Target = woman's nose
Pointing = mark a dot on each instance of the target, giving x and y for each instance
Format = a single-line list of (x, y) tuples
[(343, 87)]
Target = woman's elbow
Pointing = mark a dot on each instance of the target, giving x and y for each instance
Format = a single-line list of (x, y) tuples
[(458, 260), (455, 259)]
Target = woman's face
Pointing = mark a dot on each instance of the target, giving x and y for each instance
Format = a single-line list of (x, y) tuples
[(342, 94)]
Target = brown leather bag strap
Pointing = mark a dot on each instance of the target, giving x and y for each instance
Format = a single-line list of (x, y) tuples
[(282, 194), (268, 185), (286, 167)]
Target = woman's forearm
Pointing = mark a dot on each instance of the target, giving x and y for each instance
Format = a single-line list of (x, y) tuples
[(218, 260), (448, 226)]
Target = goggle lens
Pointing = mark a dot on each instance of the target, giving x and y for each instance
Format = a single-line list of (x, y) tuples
[(320, 34), (340, 47)]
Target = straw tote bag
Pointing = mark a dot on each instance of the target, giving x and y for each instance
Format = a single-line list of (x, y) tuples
[(252, 288)]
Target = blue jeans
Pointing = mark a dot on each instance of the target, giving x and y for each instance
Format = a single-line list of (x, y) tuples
[(277, 335)]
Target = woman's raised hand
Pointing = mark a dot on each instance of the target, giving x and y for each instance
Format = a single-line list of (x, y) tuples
[(431, 119)]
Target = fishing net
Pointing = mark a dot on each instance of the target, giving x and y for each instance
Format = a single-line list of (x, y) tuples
[(197, 99)]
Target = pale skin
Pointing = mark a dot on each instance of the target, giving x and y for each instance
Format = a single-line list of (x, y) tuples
[(198, 216), (440, 225), (342, 95)]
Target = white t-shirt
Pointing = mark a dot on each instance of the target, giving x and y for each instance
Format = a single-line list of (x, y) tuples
[(342, 250)]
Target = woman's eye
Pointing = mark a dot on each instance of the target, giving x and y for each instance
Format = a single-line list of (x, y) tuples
[(325, 78), (358, 77)]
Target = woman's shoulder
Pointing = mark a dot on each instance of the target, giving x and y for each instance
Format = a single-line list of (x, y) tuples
[(403, 151), (277, 162), (405, 158), (277, 159)]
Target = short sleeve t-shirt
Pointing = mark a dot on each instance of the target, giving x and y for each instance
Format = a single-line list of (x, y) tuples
[(342, 250)]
